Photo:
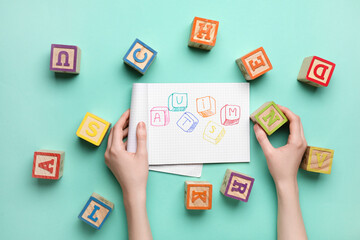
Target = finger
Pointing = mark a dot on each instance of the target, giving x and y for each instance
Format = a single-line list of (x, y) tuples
[(109, 140), (118, 130), (295, 128), (141, 139), (263, 140), (125, 132), (126, 144)]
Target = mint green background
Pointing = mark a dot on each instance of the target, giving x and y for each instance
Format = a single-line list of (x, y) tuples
[(40, 109)]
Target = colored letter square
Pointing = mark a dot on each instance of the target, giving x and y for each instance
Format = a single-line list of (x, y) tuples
[(316, 71), (187, 122), (96, 211), (178, 102), (269, 116), (206, 106), (198, 195), (254, 64), (203, 33), (230, 115), (159, 116), (140, 56), (65, 58), (48, 164), (213, 132), (237, 185), (317, 159), (93, 129)]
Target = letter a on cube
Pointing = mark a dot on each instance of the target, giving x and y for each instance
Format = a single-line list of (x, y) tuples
[(48, 164), (93, 129), (140, 56), (316, 71), (213, 132), (198, 195), (96, 211), (269, 117), (159, 116), (317, 159), (65, 58), (254, 64), (178, 102), (230, 115), (206, 106), (203, 33), (187, 122), (237, 185)]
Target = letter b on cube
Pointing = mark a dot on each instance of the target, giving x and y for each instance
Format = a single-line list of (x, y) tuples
[(187, 122), (230, 115), (159, 116)]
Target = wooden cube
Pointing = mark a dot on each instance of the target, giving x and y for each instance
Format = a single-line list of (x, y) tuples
[(317, 159), (93, 129), (159, 116), (254, 64), (198, 195), (316, 71), (65, 58), (178, 102), (203, 33), (269, 117), (237, 185), (140, 56), (187, 122), (213, 132), (206, 106), (230, 115), (96, 211), (48, 164)]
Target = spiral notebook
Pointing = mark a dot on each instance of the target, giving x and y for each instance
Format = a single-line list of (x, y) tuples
[(191, 123)]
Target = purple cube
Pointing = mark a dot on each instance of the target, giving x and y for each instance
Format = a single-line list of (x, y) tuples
[(237, 185), (65, 59)]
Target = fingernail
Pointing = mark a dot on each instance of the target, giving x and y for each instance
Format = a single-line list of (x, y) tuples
[(141, 125)]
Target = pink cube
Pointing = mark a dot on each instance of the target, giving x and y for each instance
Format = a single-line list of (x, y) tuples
[(159, 116), (230, 115)]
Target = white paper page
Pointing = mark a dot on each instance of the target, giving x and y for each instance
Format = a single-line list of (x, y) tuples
[(171, 145), (138, 112)]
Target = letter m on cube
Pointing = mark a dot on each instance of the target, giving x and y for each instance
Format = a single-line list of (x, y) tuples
[(230, 115)]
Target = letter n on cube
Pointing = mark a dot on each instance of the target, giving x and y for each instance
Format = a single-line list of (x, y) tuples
[(237, 185), (65, 58)]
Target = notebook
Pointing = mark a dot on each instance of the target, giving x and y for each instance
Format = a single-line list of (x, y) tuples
[(192, 123)]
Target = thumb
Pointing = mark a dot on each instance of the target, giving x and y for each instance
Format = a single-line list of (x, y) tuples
[(141, 139), (263, 140)]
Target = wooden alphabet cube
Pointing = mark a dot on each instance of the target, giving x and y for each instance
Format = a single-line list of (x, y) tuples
[(93, 129), (203, 33), (230, 115), (317, 159), (96, 211), (48, 164), (316, 71), (65, 58), (198, 195), (254, 64), (213, 132), (178, 102), (140, 56), (187, 122), (159, 116), (206, 106), (269, 117), (237, 185)]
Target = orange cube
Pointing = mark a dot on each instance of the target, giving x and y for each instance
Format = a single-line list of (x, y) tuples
[(198, 195), (203, 33)]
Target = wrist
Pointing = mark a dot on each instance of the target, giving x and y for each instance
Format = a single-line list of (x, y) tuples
[(134, 199), (287, 187)]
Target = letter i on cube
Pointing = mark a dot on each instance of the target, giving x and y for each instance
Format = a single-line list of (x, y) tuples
[(269, 117), (159, 116), (316, 71), (237, 185), (48, 164), (206, 106), (203, 33), (254, 64), (65, 58), (96, 211), (140, 56)]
